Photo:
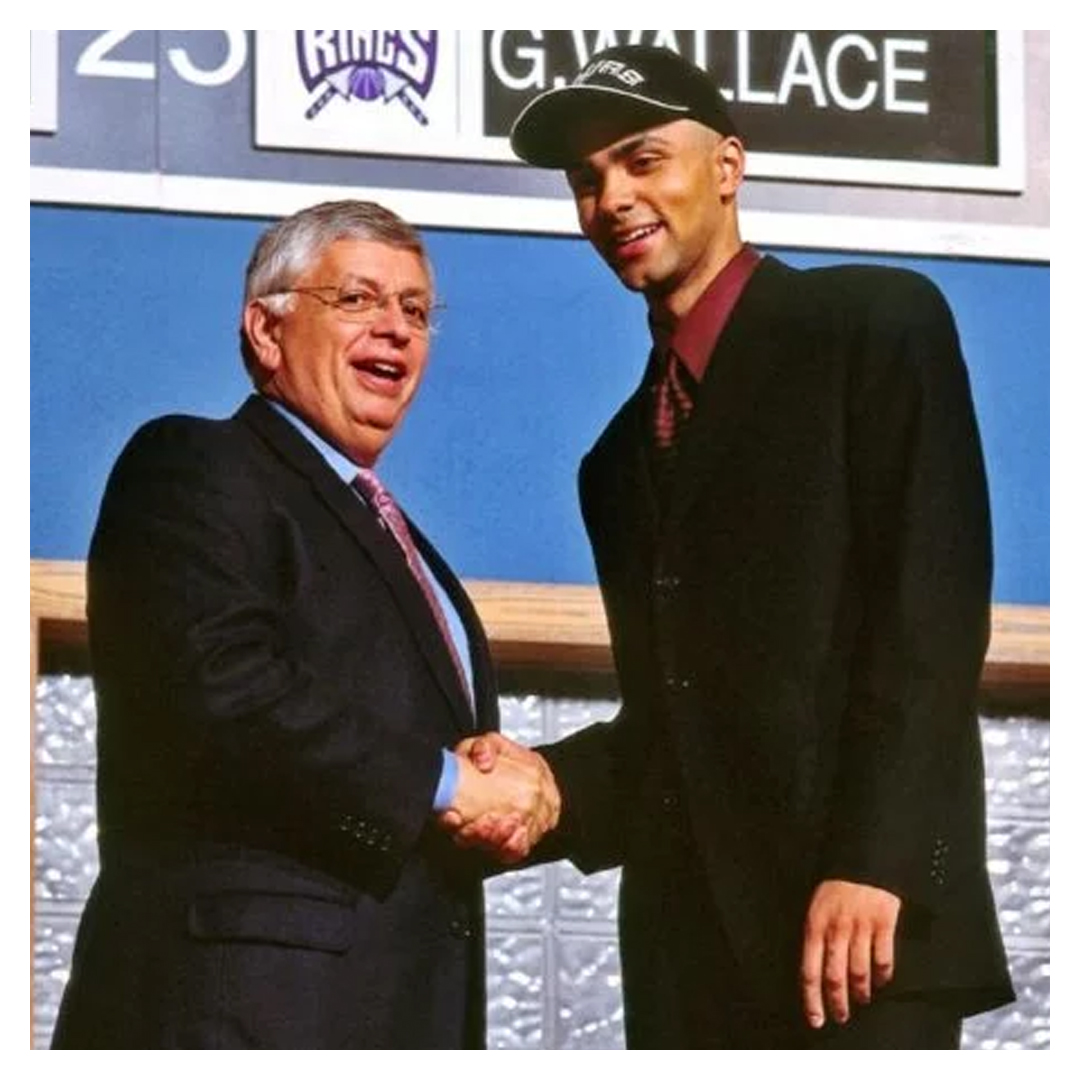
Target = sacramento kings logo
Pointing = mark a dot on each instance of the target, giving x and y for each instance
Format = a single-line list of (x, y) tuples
[(393, 68)]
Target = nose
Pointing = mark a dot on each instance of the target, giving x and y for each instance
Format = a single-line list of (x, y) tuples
[(390, 321), (616, 194)]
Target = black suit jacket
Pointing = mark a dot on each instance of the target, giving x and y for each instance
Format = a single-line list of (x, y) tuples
[(799, 638), (273, 697)]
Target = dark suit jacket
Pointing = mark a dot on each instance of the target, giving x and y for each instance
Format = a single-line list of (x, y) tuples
[(273, 695), (799, 638)]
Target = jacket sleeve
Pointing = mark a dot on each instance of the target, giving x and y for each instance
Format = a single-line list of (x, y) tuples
[(908, 791), (587, 769), (594, 766)]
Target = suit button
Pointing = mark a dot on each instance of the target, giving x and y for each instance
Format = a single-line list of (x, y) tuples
[(670, 802), (459, 928)]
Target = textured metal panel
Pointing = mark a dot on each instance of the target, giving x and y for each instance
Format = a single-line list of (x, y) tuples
[(65, 840), (592, 897), (589, 981), (66, 722), (1019, 863), (522, 718), (553, 966), (1018, 767), (518, 894), (54, 940), (568, 715), (515, 985)]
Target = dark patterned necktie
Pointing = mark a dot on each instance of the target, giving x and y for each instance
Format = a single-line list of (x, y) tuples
[(391, 517), (674, 401)]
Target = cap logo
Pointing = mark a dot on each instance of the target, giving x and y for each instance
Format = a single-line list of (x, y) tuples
[(613, 68)]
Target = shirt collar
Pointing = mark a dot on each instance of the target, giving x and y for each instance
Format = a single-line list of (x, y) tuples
[(695, 335), (343, 466)]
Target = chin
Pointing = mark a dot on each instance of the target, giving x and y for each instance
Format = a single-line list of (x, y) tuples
[(632, 279)]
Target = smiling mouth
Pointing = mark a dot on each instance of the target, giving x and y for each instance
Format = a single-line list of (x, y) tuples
[(621, 241), (382, 369)]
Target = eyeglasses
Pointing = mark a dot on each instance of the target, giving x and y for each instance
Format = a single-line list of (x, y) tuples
[(359, 304)]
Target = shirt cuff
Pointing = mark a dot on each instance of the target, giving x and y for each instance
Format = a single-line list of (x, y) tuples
[(448, 781)]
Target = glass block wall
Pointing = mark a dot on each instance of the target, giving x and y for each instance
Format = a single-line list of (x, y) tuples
[(553, 960)]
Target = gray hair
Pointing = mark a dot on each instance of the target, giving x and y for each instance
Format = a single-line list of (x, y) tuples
[(289, 247)]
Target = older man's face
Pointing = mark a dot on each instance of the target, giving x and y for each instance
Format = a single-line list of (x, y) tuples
[(349, 355)]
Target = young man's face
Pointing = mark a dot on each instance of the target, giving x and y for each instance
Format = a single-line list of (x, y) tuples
[(658, 207)]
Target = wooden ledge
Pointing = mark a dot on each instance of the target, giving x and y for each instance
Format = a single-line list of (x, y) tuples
[(1017, 666), (561, 629), (58, 590)]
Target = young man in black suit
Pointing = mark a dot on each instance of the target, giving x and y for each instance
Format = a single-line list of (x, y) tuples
[(790, 525), (280, 661)]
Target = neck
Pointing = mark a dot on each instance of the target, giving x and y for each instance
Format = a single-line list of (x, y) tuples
[(667, 308)]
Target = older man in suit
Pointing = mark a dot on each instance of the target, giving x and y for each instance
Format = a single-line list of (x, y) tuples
[(790, 526), (281, 661)]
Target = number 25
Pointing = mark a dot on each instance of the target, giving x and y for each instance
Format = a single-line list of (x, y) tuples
[(96, 62)]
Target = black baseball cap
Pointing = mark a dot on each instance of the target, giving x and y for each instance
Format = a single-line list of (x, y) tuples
[(632, 86)]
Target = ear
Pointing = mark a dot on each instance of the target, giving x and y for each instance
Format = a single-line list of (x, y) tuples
[(262, 327), (730, 165)]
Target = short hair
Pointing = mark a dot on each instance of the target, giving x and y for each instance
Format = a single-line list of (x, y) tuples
[(285, 250)]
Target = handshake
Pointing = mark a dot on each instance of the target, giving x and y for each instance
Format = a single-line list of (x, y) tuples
[(506, 798)]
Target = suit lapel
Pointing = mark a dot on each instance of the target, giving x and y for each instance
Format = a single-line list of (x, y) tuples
[(290, 445), (618, 500), (483, 672), (742, 363)]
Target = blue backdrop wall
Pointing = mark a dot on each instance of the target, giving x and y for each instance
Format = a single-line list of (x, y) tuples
[(135, 314)]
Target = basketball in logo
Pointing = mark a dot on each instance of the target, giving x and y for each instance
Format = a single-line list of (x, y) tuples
[(367, 82)]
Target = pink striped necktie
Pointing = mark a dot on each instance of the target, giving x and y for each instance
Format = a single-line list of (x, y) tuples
[(391, 517), (674, 401)]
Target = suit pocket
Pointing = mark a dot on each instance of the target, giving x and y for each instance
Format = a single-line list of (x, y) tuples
[(303, 922)]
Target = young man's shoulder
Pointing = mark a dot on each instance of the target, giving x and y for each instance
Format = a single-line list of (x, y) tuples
[(867, 285)]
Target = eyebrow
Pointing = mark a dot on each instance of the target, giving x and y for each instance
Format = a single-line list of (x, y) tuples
[(623, 150), (635, 143), (377, 286)]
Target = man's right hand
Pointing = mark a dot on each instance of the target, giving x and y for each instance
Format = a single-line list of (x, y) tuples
[(506, 799)]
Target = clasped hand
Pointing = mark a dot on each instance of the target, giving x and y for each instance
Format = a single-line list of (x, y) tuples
[(506, 798)]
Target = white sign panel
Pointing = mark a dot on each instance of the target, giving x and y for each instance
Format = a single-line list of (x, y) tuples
[(44, 89), (913, 108), (409, 92)]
